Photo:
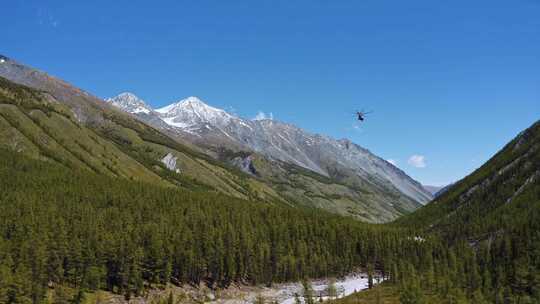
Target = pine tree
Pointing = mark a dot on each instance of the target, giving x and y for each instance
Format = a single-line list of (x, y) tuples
[(307, 292), (486, 281), (394, 274), (370, 275), (456, 296), (6, 279), (411, 294), (61, 295), (478, 298), (331, 289), (429, 271)]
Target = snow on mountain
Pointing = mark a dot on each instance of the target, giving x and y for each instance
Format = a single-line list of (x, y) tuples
[(194, 116), (281, 141), (193, 110), (130, 103)]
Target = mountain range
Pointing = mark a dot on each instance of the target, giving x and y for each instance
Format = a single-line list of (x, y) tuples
[(213, 128), (192, 145)]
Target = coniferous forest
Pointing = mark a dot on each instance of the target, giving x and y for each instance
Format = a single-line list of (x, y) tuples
[(89, 232), (92, 232)]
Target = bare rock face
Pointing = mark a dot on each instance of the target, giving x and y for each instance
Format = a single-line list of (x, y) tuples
[(170, 162), (245, 164)]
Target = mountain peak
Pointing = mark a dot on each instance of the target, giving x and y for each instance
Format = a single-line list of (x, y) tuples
[(193, 100), (193, 110), (192, 103), (130, 102), (128, 95)]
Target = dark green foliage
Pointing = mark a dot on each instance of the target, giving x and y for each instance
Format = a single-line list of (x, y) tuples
[(489, 227), (308, 292), (492, 198), (370, 275), (411, 294), (88, 231)]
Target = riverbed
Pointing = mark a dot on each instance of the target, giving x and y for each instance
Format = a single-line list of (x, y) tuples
[(344, 287), (285, 293)]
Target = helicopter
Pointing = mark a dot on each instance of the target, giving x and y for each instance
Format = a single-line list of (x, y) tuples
[(362, 114)]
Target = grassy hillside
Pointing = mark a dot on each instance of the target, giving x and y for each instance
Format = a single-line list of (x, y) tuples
[(38, 125), (57, 121)]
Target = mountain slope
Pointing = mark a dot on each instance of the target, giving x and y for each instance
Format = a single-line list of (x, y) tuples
[(500, 196), (339, 159), (353, 180), (433, 189), (60, 123), (57, 122)]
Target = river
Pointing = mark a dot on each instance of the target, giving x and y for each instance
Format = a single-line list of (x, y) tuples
[(285, 293)]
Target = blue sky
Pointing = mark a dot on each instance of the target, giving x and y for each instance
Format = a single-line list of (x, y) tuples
[(449, 82)]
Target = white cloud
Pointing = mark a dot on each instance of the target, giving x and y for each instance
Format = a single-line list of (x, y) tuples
[(261, 116), (392, 161), (418, 161)]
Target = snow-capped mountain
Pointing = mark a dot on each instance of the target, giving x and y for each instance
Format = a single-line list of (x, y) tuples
[(338, 159), (130, 103), (191, 114)]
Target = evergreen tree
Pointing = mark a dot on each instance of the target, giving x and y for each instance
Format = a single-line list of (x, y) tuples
[(411, 294), (331, 289), (307, 292), (370, 275), (478, 298), (61, 295)]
